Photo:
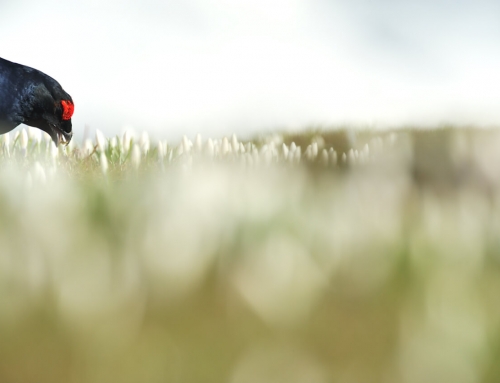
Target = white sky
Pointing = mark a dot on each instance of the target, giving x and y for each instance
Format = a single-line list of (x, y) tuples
[(218, 67)]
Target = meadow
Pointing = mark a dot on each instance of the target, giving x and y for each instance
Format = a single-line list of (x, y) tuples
[(342, 255)]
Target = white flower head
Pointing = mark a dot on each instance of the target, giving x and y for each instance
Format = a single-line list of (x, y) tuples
[(198, 143), (234, 143), (210, 149), (324, 157), (101, 141), (88, 147), (314, 149), (104, 163), (145, 144), (136, 156), (186, 144), (333, 156), (285, 151), (351, 157), (24, 139), (6, 139), (31, 132), (127, 139), (225, 146), (70, 146), (35, 134)]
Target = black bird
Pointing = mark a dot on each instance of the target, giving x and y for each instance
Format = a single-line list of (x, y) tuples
[(28, 96)]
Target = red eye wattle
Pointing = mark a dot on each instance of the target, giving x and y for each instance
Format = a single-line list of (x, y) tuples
[(68, 109)]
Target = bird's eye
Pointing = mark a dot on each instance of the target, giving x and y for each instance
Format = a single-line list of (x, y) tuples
[(68, 109)]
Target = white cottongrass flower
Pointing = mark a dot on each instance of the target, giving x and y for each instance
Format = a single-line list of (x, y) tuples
[(209, 149), (38, 137), (24, 139), (272, 146), (198, 143), (31, 132), (234, 143), (333, 156), (126, 140), (186, 145), (366, 150), (314, 149), (179, 150), (285, 151), (113, 142), (225, 146), (104, 163), (145, 143), (35, 135), (101, 141), (160, 151), (242, 148), (324, 157), (6, 144), (136, 156), (216, 144), (6, 139), (71, 145), (88, 147), (351, 156), (309, 153), (16, 137)]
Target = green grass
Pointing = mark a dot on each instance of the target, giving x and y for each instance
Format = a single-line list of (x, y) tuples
[(188, 263)]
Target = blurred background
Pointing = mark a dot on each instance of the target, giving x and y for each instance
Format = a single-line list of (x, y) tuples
[(311, 256), (247, 66)]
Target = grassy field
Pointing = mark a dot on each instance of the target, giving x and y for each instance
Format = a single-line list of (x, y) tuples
[(329, 256)]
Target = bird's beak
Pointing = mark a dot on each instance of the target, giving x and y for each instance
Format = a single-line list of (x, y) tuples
[(59, 136), (64, 138)]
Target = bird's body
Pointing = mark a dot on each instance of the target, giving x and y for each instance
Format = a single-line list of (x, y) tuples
[(28, 96)]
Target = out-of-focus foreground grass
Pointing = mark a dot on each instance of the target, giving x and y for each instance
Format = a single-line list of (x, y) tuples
[(346, 256)]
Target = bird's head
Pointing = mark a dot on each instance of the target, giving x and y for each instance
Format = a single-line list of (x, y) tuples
[(62, 130), (51, 111)]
